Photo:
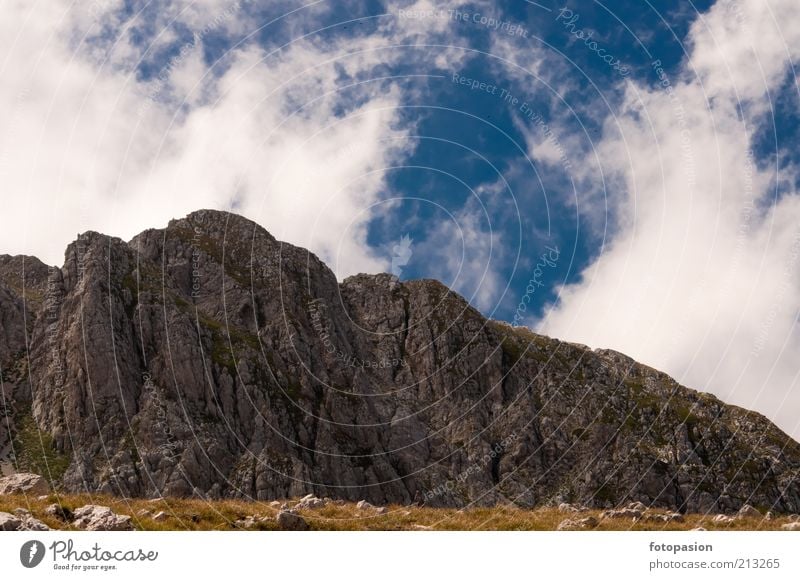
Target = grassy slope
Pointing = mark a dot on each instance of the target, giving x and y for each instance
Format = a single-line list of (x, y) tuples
[(189, 514)]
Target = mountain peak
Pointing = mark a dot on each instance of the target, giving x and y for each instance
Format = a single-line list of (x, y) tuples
[(208, 359)]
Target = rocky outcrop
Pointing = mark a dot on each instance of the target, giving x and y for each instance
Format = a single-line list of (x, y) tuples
[(21, 521), (27, 483), (97, 518), (209, 359)]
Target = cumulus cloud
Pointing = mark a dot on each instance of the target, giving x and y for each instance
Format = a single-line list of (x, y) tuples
[(464, 251), (701, 276), (287, 137)]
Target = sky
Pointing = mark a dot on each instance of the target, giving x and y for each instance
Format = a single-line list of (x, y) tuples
[(616, 174)]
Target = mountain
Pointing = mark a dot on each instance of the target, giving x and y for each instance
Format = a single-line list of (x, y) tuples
[(210, 359)]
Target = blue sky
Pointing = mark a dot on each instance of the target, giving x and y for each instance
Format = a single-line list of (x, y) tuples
[(619, 174)]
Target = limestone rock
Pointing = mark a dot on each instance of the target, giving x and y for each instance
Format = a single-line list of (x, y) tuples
[(662, 518), (22, 522), (291, 521), (27, 483), (311, 502), (586, 523), (748, 511), (622, 513), (568, 508), (8, 522), (212, 360), (792, 526), (98, 518), (59, 512), (160, 517)]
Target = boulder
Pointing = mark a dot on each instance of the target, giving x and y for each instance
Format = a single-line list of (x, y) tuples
[(246, 523), (22, 522), (621, 513), (792, 527), (98, 518), (27, 483), (288, 520), (59, 512), (364, 505), (587, 523), (748, 511), (723, 519), (8, 522), (160, 517), (662, 518), (311, 502)]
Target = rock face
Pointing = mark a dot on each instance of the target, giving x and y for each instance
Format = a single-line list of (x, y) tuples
[(209, 359)]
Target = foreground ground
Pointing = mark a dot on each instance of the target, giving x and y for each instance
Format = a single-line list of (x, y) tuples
[(192, 514)]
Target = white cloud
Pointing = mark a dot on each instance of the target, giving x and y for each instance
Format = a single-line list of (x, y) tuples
[(86, 144), (465, 252), (701, 279)]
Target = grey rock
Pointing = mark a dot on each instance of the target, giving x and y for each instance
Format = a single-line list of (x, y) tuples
[(621, 513), (662, 518), (364, 505), (98, 518), (8, 522), (208, 359), (59, 512), (21, 522), (586, 523), (311, 502), (291, 521), (793, 526), (31, 524), (748, 511), (722, 519), (27, 483)]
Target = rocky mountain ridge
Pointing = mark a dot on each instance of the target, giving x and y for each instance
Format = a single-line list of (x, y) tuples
[(209, 359)]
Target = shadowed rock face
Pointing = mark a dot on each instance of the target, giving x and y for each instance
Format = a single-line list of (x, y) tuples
[(209, 358)]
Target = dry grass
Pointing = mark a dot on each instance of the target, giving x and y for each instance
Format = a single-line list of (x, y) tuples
[(193, 514)]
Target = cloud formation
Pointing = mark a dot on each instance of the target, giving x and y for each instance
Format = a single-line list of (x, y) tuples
[(702, 276), (288, 136)]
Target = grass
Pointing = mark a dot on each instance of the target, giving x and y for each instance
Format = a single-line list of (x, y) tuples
[(34, 449), (194, 514)]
